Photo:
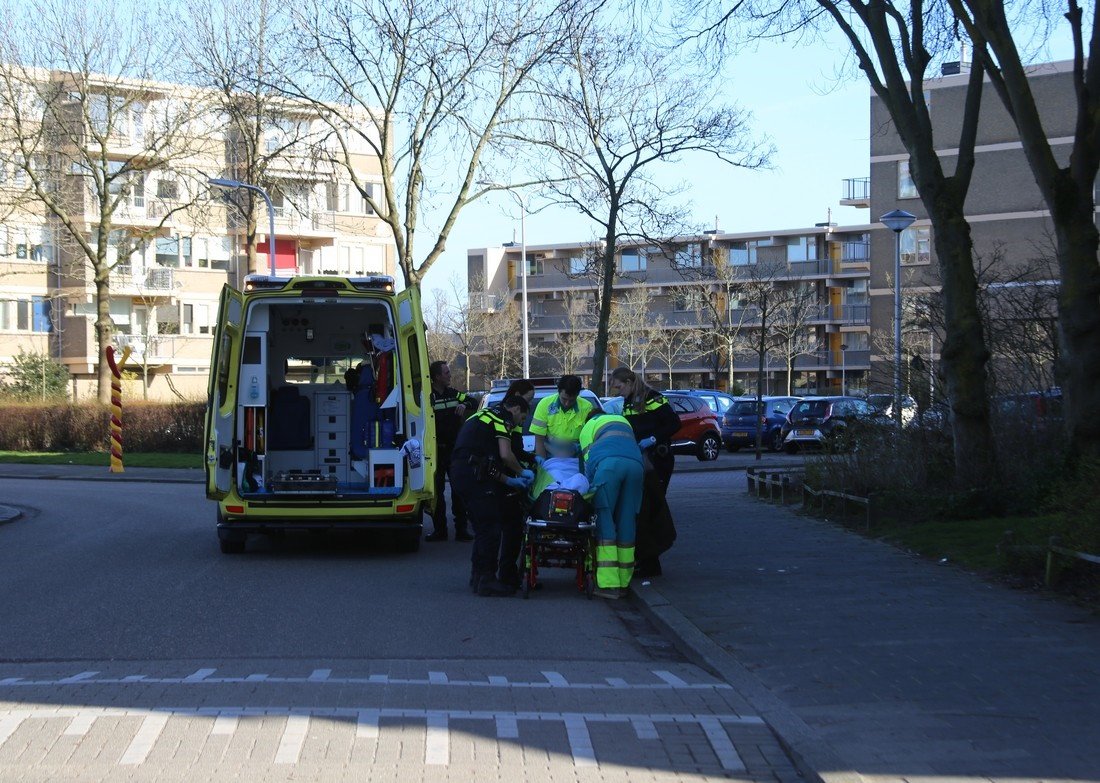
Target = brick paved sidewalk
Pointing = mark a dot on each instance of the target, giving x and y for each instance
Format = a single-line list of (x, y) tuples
[(873, 664)]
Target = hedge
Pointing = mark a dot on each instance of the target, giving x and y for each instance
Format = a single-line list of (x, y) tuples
[(146, 427)]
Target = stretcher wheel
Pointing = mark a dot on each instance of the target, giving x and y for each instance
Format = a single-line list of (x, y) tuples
[(589, 586)]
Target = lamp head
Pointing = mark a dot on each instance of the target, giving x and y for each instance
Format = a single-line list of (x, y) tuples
[(897, 220), (218, 182)]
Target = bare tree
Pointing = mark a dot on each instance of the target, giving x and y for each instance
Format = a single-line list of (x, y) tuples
[(714, 296), (673, 346), (270, 142), (424, 87), (84, 124), (996, 29), (621, 107), (895, 46), (792, 314), (631, 326), (573, 342)]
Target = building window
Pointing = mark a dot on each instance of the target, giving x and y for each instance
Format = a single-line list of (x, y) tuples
[(535, 266), (689, 257), (195, 319), (633, 260), (801, 249), (173, 251), (168, 189), (578, 265), (25, 315), (916, 245), (365, 208), (743, 253), (689, 301), (906, 187)]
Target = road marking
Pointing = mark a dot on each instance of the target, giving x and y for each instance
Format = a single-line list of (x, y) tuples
[(720, 742), (666, 681), (507, 727), (366, 724), (580, 741), (294, 737), (225, 724), (9, 723), (671, 679), (146, 737), (80, 724), (644, 728), (437, 740), (82, 677)]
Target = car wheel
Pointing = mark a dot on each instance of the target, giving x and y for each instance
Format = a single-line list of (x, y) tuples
[(775, 442), (709, 446)]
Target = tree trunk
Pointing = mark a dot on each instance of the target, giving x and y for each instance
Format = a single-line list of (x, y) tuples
[(104, 328), (964, 355), (1079, 329), (599, 353)]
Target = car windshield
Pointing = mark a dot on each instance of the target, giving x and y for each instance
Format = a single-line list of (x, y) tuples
[(744, 408)]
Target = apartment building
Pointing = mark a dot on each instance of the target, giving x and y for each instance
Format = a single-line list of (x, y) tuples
[(174, 241), (1010, 227), (683, 310), (848, 343)]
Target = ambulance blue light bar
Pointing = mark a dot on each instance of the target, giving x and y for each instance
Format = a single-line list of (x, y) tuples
[(256, 282)]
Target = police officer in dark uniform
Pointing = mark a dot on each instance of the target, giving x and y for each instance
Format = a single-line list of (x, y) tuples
[(484, 472), (449, 405), (654, 423)]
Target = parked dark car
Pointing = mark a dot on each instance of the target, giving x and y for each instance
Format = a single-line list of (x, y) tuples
[(884, 404), (699, 432), (718, 401), (739, 422), (820, 421)]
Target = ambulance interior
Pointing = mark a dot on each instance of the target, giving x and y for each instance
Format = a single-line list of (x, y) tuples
[(320, 409)]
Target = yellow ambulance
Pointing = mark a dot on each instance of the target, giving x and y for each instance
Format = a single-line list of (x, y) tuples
[(318, 413)]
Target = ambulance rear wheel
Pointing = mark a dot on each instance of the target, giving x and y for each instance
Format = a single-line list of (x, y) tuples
[(231, 542)]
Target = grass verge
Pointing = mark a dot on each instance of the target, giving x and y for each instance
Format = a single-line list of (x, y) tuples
[(99, 458), (973, 543)]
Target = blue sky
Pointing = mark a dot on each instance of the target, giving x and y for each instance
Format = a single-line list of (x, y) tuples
[(820, 130)]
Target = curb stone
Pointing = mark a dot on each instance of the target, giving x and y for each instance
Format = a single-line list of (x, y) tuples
[(813, 756)]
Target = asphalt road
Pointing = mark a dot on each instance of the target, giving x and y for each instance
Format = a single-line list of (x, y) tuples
[(132, 647)]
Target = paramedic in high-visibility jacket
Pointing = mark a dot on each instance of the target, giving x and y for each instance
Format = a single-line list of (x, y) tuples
[(613, 465), (558, 419), (483, 471)]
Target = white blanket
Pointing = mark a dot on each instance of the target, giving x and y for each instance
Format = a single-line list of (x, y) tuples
[(566, 473)]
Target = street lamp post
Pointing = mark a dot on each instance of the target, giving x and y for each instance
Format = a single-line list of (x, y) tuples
[(523, 275), (897, 220), (232, 184), (843, 370)]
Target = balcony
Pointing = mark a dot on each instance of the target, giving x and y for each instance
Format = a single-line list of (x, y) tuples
[(856, 193), (157, 281), (855, 253), (482, 302)]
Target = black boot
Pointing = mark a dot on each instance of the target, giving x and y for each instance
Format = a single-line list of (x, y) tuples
[(489, 587), (462, 533), (439, 534)]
